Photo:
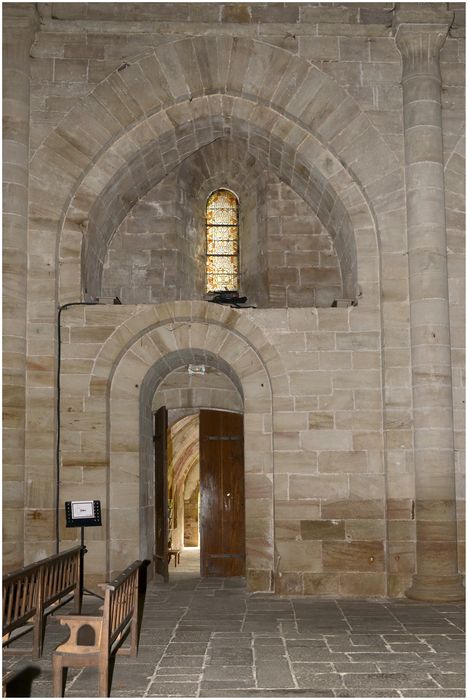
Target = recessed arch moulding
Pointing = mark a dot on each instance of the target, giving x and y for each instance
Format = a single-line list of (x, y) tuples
[(141, 123), (135, 359), (148, 167)]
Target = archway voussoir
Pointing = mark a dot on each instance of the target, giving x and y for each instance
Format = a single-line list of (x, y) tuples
[(123, 96), (144, 316), (224, 46), (84, 133), (146, 350), (153, 73), (97, 114), (139, 87), (311, 151), (239, 61), (199, 310), (197, 334), (351, 131), (302, 101), (360, 216), (110, 100), (344, 113), (205, 48), (174, 74), (247, 363)]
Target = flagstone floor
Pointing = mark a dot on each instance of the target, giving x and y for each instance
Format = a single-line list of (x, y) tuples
[(209, 638)]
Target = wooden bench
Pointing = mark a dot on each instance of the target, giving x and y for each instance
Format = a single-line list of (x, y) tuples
[(31, 593), (119, 617)]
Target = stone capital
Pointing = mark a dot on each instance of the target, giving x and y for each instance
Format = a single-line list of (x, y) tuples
[(419, 38)]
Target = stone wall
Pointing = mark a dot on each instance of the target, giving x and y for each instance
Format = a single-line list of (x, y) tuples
[(327, 459), (123, 96)]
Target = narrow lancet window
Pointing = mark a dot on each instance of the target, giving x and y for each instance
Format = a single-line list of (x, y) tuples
[(222, 242)]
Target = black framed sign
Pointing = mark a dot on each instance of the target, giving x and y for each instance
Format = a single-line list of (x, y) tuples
[(83, 513)]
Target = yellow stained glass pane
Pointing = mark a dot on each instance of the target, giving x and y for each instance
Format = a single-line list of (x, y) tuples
[(222, 208), (221, 216), (222, 241), (221, 283), (221, 272)]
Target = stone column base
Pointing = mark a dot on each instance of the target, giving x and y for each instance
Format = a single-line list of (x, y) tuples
[(436, 588)]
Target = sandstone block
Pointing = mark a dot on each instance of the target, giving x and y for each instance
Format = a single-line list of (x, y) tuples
[(314, 486), (353, 556), (367, 509), (304, 383), (362, 584), (365, 529), (319, 420), (259, 579), (337, 461), (300, 556), (322, 529), (321, 584), (327, 440)]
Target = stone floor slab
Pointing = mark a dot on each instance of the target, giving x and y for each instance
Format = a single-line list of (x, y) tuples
[(210, 638)]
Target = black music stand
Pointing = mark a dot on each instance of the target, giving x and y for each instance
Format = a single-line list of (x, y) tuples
[(83, 514)]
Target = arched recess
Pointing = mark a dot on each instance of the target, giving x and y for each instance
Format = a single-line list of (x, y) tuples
[(140, 355), (275, 141), (152, 112)]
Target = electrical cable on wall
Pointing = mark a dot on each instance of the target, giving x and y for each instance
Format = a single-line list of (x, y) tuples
[(57, 451)]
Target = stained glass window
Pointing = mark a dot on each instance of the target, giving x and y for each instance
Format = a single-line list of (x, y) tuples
[(222, 242)]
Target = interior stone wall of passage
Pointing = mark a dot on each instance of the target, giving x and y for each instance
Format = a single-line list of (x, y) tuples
[(181, 390)]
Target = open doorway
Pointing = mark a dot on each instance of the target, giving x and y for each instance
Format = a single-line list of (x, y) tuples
[(200, 509)]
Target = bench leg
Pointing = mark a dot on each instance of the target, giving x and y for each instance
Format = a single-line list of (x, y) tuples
[(104, 677), (38, 636), (59, 676)]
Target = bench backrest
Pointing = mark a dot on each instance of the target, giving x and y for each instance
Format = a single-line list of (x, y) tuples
[(61, 574), (120, 605), (20, 597), (34, 587)]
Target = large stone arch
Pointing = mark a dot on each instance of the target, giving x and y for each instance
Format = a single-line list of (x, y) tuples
[(320, 139), (138, 354)]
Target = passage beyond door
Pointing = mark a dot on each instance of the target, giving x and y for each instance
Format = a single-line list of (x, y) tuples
[(222, 509)]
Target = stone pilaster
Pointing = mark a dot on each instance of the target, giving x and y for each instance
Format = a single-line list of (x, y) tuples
[(419, 39), (19, 24)]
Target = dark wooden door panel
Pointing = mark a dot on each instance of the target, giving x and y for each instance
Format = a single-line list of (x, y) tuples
[(222, 510), (160, 494)]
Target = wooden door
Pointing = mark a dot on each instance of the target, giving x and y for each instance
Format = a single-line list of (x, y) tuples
[(161, 531), (222, 507)]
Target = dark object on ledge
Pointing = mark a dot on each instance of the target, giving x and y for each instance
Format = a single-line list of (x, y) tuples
[(343, 303), (231, 298)]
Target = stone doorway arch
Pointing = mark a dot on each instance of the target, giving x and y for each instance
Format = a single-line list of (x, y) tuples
[(233, 343)]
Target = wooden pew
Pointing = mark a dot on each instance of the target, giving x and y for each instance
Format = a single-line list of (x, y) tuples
[(31, 593), (119, 618)]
